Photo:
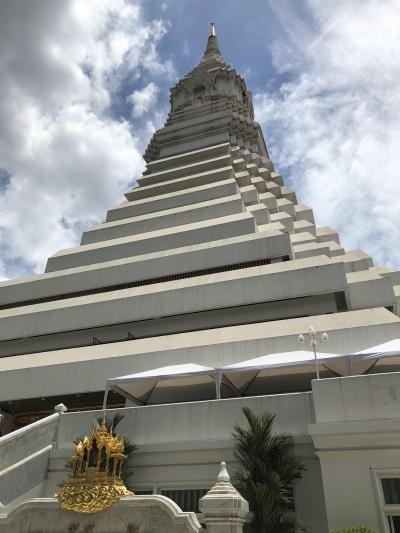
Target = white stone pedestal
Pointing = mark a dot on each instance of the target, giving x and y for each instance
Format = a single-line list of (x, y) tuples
[(224, 509), (132, 514)]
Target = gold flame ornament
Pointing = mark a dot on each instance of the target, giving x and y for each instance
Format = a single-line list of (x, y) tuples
[(95, 481)]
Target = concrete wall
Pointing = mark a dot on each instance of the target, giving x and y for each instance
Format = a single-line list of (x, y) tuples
[(182, 445), (165, 219), (24, 457), (85, 369), (357, 435), (154, 241), (164, 263), (172, 200), (203, 178), (150, 513), (280, 281)]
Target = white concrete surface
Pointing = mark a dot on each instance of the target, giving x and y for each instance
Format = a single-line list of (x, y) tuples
[(153, 241), (175, 199), (209, 210), (24, 458), (147, 512), (155, 265), (357, 438), (86, 368), (266, 283)]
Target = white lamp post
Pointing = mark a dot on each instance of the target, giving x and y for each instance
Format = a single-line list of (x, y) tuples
[(315, 339)]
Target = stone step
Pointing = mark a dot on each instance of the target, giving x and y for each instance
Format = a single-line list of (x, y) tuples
[(179, 216), (304, 225), (326, 233), (265, 283), (172, 200), (303, 212), (311, 249), (230, 251), (354, 260), (283, 218), (366, 287), (188, 157), (302, 238), (210, 230), (185, 170), (179, 184)]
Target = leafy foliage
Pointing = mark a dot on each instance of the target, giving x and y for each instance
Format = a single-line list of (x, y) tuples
[(268, 469), (358, 529)]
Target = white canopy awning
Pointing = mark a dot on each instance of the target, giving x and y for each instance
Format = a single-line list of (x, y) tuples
[(381, 358), (284, 359), (168, 384), (387, 349), (251, 376)]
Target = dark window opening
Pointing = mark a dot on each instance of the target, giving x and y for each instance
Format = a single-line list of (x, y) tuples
[(391, 490), (341, 303), (394, 524)]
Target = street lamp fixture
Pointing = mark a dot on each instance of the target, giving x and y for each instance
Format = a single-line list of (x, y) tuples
[(315, 338)]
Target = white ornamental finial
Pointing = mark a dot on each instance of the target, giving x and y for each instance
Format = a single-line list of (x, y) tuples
[(223, 475), (60, 408), (212, 30)]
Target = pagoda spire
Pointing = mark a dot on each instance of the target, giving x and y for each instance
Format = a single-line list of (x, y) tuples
[(212, 50)]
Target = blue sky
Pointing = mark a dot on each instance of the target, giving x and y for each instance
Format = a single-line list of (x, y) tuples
[(85, 83)]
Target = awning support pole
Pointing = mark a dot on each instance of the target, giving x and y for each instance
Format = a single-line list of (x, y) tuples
[(218, 379), (105, 398)]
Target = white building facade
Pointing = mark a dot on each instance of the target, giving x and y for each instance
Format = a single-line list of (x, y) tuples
[(211, 260)]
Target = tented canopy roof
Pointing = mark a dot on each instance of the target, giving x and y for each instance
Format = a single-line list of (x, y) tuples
[(387, 349), (272, 373), (381, 358), (175, 383), (275, 372), (280, 360)]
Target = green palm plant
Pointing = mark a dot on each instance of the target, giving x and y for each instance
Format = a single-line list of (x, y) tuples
[(129, 446), (268, 468)]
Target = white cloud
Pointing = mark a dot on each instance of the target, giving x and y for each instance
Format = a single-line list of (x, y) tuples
[(335, 127), (143, 100), (69, 161)]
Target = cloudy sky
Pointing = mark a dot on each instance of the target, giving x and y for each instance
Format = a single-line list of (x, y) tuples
[(84, 83)]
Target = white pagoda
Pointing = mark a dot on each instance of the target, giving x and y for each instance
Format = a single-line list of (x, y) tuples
[(208, 260)]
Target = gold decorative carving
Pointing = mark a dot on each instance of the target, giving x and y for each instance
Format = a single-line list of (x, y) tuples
[(95, 482)]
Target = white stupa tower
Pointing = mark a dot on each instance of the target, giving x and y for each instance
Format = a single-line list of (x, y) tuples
[(208, 259)]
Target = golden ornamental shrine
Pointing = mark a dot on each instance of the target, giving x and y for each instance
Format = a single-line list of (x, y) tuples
[(95, 481)]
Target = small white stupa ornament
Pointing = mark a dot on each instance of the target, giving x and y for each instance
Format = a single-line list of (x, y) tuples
[(223, 506), (223, 474)]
